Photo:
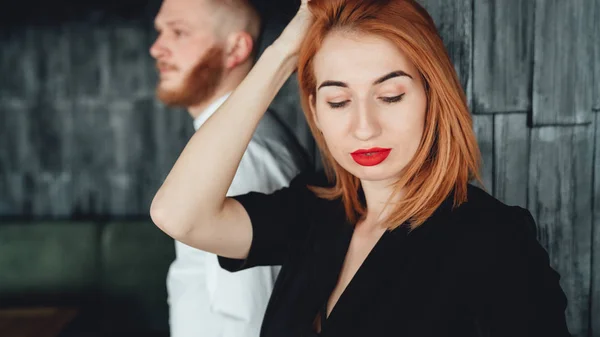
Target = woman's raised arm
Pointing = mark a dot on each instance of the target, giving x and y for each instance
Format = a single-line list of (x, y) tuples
[(191, 205)]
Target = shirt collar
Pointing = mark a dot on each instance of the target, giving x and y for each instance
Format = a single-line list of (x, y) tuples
[(209, 111)]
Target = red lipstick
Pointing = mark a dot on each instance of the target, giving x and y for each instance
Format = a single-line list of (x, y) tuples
[(370, 157)]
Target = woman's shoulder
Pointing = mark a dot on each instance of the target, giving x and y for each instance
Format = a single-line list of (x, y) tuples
[(483, 229), (484, 212)]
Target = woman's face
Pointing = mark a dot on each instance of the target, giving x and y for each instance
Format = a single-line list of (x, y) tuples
[(370, 104)]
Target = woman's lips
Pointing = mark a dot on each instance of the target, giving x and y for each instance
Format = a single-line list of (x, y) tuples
[(370, 157)]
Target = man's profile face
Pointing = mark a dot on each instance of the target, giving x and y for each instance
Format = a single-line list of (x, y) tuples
[(189, 58)]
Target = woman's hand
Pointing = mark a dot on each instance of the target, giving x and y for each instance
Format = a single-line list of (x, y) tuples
[(294, 33)]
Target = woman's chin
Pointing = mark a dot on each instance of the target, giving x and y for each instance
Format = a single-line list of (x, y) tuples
[(378, 172)]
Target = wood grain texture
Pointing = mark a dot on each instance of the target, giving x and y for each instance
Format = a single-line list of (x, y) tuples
[(89, 54), (134, 69), (124, 150), (19, 64), (51, 193), (502, 55), (560, 199), (595, 290), (13, 202), (49, 177), (54, 55), (15, 124), (483, 126), (562, 76), (454, 20), (511, 151), (596, 59), (87, 157)]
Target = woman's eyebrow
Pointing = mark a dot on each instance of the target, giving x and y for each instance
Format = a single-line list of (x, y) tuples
[(393, 74), (333, 84), (380, 80)]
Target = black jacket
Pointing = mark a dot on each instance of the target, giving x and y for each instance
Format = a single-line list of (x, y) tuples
[(476, 270)]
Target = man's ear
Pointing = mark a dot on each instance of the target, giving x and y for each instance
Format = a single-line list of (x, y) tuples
[(238, 49), (313, 110)]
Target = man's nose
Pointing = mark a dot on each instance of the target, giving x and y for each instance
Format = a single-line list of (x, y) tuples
[(158, 50)]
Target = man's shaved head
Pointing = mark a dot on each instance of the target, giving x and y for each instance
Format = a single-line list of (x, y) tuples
[(235, 15)]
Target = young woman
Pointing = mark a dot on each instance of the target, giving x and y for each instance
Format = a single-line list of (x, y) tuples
[(396, 242)]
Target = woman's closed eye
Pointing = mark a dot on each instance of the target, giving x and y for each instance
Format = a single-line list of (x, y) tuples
[(386, 99), (392, 99), (337, 105)]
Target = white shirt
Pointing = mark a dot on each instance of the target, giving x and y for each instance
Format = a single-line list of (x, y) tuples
[(205, 300)]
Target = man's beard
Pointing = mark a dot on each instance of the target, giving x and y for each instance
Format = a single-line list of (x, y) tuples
[(199, 85)]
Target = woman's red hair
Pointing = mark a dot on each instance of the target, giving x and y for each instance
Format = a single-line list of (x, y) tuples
[(448, 156)]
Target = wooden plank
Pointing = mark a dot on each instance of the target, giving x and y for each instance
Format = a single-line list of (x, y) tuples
[(560, 194), (37, 143), (511, 152), (51, 194), (132, 72), (595, 293), (483, 125), (596, 58), (502, 55), (19, 64), (51, 134), (562, 80), (92, 150), (12, 133), (123, 152), (163, 131), (454, 20), (56, 76), (16, 154), (148, 138), (93, 144), (48, 180), (14, 194), (90, 60)]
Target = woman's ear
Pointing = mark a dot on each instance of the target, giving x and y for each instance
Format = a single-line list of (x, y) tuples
[(313, 111)]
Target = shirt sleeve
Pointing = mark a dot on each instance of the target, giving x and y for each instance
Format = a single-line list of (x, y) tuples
[(280, 220), (525, 298)]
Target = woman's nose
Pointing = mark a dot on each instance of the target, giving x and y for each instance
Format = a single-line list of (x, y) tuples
[(366, 123)]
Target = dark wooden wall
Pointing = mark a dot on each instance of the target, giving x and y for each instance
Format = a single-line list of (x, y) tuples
[(82, 135)]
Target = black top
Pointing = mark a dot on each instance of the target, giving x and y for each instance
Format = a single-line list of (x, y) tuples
[(476, 270)]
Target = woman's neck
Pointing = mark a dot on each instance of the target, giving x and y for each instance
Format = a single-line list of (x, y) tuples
[(377, 196)]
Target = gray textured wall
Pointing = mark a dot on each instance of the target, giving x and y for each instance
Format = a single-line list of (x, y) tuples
[(82, 135)]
